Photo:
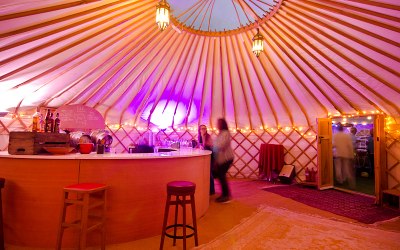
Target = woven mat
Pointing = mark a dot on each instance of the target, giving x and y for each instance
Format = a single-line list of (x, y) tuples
[(354, 206), (275, 228)]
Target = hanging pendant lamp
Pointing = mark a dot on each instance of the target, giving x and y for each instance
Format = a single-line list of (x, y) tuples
[(162, 14), (258, 43)]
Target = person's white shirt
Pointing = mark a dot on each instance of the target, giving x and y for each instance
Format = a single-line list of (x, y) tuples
[(343, 145)]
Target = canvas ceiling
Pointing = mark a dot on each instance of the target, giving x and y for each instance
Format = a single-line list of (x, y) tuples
[(321, 58)]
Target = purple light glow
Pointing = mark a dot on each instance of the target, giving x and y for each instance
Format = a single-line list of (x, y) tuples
[(163, 115)]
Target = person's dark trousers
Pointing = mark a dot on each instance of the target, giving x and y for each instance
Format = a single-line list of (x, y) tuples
[(212, 185), (371, 164), (221, 171)]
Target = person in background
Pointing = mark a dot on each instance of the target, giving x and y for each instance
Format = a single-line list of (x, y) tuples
[(344, 155), (204, 138), (223, 156), (205, 142), (353, 131), (143, 146), (370, 150)]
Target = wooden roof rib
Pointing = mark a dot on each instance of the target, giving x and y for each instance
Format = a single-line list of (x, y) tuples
[(319, 58)]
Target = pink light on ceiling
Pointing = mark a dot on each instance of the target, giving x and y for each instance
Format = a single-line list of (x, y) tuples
[(169, 113)]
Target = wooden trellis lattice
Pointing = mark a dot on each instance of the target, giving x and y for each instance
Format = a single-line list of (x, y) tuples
[(246, 144), (299, 150), (300, 147), (393, 160)]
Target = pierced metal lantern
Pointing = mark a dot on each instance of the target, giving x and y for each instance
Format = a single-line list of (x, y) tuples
[(258, 43), (162, 14)]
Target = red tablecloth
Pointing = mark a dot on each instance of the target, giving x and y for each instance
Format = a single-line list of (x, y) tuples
[(271, 158)]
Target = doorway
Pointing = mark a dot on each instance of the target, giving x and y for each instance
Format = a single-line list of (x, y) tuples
[(362, 166)]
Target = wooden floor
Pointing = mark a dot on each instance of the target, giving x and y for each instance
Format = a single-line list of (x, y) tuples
[(247, 197), (220, 218)]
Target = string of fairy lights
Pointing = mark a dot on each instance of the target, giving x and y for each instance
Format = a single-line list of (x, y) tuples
[(194, 129), (366, 116)]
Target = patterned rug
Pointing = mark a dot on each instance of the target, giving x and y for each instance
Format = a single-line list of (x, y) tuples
[(354, 206), (276, 228)]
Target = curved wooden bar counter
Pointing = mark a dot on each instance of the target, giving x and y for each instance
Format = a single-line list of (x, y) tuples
[(136, 198)]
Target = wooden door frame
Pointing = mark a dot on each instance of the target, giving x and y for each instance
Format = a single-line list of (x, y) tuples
[(380, 157), (324, 160)]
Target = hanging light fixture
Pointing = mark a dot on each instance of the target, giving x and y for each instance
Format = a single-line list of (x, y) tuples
[(258, 43), (162, 14)]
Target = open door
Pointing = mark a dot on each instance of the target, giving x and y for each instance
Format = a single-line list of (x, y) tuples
[(325, 162)]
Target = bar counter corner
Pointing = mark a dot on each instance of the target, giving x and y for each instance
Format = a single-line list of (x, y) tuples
[(32, 197)]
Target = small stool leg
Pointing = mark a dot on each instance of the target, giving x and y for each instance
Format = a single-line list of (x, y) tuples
[(165, 221), (2, 181), (103, 229), (184, 220), (1, 224), (176, 218), (84, 222), (62, 220), (196, 240)]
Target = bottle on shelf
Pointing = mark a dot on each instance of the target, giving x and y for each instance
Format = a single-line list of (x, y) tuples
[(57, 124), (100, 146), (41, 123), (47, 126), (36, 121), (51, 121)]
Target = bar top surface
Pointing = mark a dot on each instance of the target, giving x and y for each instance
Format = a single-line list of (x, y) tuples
[(111, 156)]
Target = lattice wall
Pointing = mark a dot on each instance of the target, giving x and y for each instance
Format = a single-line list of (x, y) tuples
[(393, 159), (300, 146)]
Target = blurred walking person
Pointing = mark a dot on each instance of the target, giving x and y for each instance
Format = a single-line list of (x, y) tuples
[(223, 156), (205, 142), (344, 156)]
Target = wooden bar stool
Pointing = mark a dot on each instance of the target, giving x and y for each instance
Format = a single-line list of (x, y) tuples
[(2, 182), (87, 196), (180, 190)]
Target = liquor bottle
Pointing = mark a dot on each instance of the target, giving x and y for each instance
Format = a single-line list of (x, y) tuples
[(47, 126), (36, 121), (57, 123), (41, 123), (51, 121), (100, 146)]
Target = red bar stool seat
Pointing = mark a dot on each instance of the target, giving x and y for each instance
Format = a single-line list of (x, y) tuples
[(2, 182), (91, 199), (180, 190)]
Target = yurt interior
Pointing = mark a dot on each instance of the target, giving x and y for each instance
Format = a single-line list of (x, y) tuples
[(199, 124)]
